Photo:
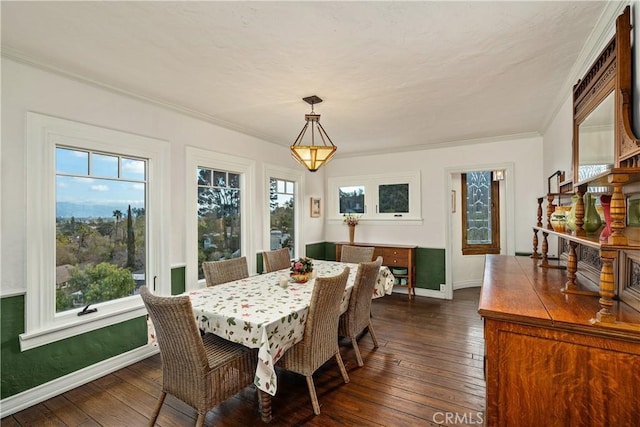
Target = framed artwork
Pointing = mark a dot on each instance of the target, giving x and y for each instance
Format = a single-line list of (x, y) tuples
[(315, 207)]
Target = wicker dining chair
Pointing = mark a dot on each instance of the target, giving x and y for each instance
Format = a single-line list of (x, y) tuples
[(320, 339), (228, 270), (358, 314), (278, 259), (356, 254), (201, 371)]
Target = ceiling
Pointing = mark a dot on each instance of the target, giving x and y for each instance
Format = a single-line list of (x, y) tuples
[(393, 75)]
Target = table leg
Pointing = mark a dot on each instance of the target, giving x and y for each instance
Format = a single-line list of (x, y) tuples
[(264, 402)]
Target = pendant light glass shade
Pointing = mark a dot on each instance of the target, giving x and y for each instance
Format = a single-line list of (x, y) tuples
[(313, 156)]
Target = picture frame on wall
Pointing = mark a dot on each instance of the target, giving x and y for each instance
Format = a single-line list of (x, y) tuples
[(315, 207)]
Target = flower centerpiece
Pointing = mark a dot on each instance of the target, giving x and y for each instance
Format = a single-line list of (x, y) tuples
[(351, 220), (301, 269)]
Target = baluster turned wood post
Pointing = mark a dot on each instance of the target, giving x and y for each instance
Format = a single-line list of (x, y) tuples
[(580, 211), (607, 290), (618, 210), (572, 268), (550, 209), (545, 250), (535, 254), (540, 200)]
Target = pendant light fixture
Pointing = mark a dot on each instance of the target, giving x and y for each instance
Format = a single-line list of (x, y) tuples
[(313, 156)]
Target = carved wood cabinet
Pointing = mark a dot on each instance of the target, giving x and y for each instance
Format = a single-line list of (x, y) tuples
[(546, 365), (611, 166), (396, 257), (563, 336)]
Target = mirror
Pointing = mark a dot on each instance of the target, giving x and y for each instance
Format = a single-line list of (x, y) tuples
[(603, 140), (596, 140)]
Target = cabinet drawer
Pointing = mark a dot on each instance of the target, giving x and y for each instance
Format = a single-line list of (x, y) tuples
[(395, 257)]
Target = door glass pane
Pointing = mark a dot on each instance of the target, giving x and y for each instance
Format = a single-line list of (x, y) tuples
[(478, 207), (351, 199)]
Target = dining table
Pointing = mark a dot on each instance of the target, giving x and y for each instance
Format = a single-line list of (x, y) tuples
[(259, 312)]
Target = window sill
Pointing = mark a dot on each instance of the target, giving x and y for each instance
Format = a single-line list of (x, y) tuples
[(80, 325), (382, 221)]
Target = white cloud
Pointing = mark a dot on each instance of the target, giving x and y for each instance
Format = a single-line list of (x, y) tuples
[(100, 188)]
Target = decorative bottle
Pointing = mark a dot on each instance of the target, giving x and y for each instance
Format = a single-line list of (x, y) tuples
[(605, 201), (592, 221)]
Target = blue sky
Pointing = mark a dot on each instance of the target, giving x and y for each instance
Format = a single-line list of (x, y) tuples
[(105, 185)]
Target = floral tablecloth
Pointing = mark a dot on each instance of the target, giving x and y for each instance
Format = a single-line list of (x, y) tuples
[(258, 313)]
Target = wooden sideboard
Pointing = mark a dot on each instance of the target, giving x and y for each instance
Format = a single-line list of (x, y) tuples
[(398, 256), (545, 363)]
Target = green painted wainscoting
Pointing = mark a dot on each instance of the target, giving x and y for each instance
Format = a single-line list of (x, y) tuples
[(430, 268), (22, 371), (178, 280), (430, 263)]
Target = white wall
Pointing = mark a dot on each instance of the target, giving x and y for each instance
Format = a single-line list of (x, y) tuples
[(524, 153), (25, 88)]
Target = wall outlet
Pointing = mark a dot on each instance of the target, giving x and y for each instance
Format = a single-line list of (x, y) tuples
[(442, 287)]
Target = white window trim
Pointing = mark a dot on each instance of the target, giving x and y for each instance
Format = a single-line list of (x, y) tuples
[(43, 325), (297, 176), (371, 183), (197, 157)]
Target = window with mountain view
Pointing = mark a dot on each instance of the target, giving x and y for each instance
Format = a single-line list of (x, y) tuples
[(100, 227)]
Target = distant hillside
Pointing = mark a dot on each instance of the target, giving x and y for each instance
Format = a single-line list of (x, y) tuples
[(67, 210)]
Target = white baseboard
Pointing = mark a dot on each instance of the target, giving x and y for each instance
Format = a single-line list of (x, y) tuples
[(467, 284), (40, 393), (431, 293)]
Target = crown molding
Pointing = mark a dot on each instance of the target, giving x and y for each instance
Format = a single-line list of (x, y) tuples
[(602, 32), (439, 145)]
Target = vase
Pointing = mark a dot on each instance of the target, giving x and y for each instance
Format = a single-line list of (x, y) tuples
[(592, 221), (301, 278), (558, 218), (571, 216), (352, 233), (605, 201)]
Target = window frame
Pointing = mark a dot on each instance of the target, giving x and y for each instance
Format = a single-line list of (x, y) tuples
[(197, 157), (371, 184), (42, 324), (494, 246), (296, 176)]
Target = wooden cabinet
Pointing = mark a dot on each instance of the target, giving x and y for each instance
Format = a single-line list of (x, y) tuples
[(545, 364), (401, 259), (610, 167)]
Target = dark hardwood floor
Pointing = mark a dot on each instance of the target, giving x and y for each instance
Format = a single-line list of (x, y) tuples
[(427, 371)]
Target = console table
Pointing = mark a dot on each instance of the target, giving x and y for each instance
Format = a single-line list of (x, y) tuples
[(398, 256), (545, 363)]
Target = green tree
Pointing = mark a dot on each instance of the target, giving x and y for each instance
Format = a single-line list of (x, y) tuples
[(118, 216), (103, 282)]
